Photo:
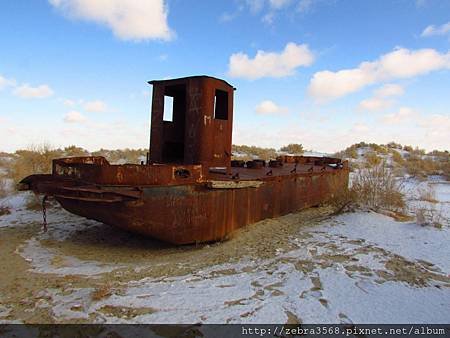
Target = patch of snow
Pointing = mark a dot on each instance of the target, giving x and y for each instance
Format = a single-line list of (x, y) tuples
[(388, 303), (315, 154), (19, 215), (42, 260), (334, 274), (406, 239)]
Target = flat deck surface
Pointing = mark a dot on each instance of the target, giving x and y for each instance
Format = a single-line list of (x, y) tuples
[(264, 172)]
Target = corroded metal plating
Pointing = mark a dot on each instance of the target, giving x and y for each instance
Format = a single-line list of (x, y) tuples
[(189, 190)]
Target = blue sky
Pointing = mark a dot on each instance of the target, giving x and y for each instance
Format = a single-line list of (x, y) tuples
[(322, 73)]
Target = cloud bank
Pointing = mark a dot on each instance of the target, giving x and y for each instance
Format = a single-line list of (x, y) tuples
[(439, 30), (26, 91), (270, 64), (128, 19), (399, 64), (270, 107)]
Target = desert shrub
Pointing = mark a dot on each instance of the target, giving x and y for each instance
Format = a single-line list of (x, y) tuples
[(398, 158), (419, 167), (122, 155), (343, 199), (428, 216), (383, 150), (4, 187), (352, 153), (361, 144), (101, 292), (74, 151), (394, 145), (442, 154), (417, 151), (372, 159), (446, 170), (293, 148), (380, 149), (34, 160), (377, 188), (427, 193), (413, 168), (349, 152), (3, 162), (254, 152), (355, 165)]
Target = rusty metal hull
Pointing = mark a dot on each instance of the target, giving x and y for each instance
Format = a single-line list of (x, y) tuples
[(196, 213), (189, 190)]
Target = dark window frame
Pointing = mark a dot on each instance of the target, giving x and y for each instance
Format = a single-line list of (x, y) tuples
[(220, 105)]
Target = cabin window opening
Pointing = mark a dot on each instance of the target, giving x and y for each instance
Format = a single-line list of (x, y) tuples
[(173, 124), (221, 105), (168, 109)]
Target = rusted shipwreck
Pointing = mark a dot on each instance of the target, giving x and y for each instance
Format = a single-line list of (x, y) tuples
[(189, 190)]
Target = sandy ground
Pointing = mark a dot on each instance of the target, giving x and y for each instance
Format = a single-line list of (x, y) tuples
[(307, 267)]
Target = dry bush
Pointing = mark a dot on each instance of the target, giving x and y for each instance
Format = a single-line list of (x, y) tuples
[(4, 163), (255, 152), (293, 148), (398, 158), (101, 292), (419, 167), (427, 193), (374, 188), (446, 170), (354, 166), (122, 155), (377, 188), (74, 151), (372, 159), (4, 187), (428, 216), (34, 160), (343, 201)]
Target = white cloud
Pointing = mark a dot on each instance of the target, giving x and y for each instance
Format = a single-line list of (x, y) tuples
[(96, 106), (421, 3), (128, 19), (439, 30), (270, 107), (379, 100), (74, 117), (255, 5), (437, 124), (268, 18), (270, 64), (277, 4), (400, 63), (68, 103), (304, 6), (163, 57), (28, 92), (4, 82), (374, 103), (390, 89), (227, 17), (360, 128), (403, 115)]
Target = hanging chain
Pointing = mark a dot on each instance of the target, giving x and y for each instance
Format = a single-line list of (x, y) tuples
[(44, 212)]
